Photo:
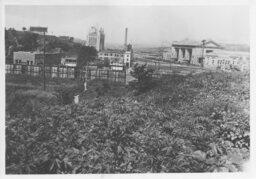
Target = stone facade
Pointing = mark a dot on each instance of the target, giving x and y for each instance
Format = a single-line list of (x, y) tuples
[(188, 51)]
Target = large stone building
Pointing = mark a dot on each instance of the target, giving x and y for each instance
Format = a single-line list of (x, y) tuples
[(208, 54), (96, 38), (191, 51)]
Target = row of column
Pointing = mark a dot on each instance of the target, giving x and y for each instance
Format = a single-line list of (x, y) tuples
[(183, 54)]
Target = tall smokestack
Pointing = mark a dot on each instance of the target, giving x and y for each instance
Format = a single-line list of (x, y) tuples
[(126, 33)]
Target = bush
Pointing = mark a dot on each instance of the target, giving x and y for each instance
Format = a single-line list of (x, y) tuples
[(66, 93), (144, 78), (28, 102)]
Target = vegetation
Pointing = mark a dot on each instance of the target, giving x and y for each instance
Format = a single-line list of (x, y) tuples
[(86, 54), (144, 78), (195, 123)]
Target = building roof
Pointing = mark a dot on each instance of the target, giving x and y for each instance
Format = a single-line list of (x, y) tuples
[(194, 43)]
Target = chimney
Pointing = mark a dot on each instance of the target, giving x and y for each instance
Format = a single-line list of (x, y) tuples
[(126, 33)]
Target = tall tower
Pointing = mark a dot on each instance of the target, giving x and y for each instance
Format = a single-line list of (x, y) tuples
[(96, 38), (126, 34), (102, 39)]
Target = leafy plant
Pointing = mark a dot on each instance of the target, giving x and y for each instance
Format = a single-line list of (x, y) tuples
[(144, 77)]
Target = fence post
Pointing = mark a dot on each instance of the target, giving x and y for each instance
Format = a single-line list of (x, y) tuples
[(108, 75), (125, 76)]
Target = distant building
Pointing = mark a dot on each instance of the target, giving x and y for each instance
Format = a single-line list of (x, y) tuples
[(24, 58), (38, 30), (66, 38), (208, 54), (69, 61), (36, 58), (192, 51), (96, 38), (120, 57), (227, 60), (169, 55)]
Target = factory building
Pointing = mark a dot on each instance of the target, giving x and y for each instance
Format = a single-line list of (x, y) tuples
[(118, 57)]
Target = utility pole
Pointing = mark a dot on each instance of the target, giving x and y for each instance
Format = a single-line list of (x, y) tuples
[(44, 61), (203, 45)]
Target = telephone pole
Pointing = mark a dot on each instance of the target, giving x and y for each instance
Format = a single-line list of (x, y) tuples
[(44, 61)]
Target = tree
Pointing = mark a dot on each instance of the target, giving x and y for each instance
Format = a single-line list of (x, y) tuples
[(86, 54), (29, 41)]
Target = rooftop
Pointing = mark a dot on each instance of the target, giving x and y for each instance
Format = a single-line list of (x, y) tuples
[(194, 43)]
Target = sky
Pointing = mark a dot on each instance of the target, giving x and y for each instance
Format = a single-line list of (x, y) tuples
[(152, 25)]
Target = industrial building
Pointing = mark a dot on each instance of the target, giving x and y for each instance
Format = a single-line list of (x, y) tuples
[(96, 38), (119, 57)]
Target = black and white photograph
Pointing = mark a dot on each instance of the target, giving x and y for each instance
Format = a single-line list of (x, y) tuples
[(126, 88)]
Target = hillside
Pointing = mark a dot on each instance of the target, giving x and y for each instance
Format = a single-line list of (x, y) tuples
[(26, 41), (194, 123)]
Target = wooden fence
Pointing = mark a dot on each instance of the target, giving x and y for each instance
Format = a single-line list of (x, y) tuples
[(66, 72)]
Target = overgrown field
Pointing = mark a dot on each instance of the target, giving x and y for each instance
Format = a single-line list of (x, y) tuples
[(195, 123)]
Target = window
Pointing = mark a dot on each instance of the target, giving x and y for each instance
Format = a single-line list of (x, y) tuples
[(209, 51), (27, 62), (16, 61), (31, 63)]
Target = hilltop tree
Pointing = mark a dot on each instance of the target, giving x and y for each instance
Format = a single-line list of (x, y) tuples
[(86, 54)]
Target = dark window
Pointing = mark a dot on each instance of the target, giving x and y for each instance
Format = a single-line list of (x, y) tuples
[(209, 51), (183, 53)]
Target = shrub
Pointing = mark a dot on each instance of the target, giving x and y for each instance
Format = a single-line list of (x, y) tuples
[(144, 78), (66, 93), (28, 102)]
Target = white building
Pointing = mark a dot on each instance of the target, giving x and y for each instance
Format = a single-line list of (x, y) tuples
[(117, 57), (96, 38), (22, 57), (69, 61), (227, 60)]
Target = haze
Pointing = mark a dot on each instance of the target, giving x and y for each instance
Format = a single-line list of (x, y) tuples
[(152, 25)]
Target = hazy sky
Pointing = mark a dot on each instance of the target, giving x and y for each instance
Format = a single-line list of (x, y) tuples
[(146, 24)]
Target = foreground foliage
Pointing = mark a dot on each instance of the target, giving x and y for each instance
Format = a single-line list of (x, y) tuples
[(185, 124)]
